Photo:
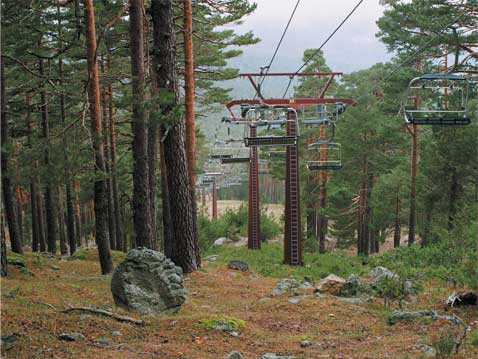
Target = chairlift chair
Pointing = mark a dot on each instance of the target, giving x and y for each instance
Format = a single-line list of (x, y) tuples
[(333, 160), (437, 99), (271, 118)]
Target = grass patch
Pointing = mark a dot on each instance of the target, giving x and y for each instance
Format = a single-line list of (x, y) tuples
[(223, 323), (268, 262)]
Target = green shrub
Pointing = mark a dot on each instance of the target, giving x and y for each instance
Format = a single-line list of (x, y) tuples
[(444, 344), (474, 338), (228, 324), (233, 225), (391, 290)]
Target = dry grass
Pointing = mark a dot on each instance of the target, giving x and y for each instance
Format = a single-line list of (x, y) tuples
[(345, 330)]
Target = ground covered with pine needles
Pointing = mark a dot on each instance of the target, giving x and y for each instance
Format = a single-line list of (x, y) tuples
[(32, 306)]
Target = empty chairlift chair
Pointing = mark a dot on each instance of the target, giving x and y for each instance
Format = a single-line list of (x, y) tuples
[(331, 161), (269, 118), (437, 99)]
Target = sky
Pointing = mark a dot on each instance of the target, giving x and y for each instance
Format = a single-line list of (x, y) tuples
[(352, 48)]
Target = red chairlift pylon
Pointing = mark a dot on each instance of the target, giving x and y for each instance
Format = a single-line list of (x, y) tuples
[(293, 230)]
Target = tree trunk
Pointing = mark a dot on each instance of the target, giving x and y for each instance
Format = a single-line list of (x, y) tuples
[(70, 224), (168, 239), (107, 147), (8, 200), (49, 200), (454, 194), (185, 246), (78, 228), (33, 182), (141, 203), (114, 181), (362, 239), (189, 89), (101, 220), (41, 221), (3, 254), (397, 231), (61, 222), (152, 158), (413, 195)]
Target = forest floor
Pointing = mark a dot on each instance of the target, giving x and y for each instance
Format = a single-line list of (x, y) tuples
[(32, 304)]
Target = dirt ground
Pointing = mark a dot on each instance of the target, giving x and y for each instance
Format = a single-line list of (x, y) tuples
[(343, 330)]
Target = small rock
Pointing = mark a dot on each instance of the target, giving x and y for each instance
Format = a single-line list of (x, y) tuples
[(356, 300), (234, 355), (309, 344), (253, 276), (71, 337), (265, 299), (353, 285), (234, 334), (398, 315), (286, 285), (331, 284), (223, 326), (54, 267), (8, 341), (238, 265), (211, 258), (319, 295), (221, 241), (276, 356), (116, 333), (428, 350), (378, 273), (293, 300), (102, 341)]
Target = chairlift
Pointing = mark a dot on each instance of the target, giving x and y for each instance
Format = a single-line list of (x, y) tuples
[(333, 159), (437, 99), (272, 118), (277, 154)]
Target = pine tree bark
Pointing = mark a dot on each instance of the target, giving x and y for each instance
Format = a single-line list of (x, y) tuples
[(33, 182), (185, 246), (49, 200), (41, 221), (322, 220), (141, 192), (70, 215), (77, 212), (8, 200), (3, 254), (189, 90), (114, 180), (397, 230), (101, 220), (107, 147), (61, 224)]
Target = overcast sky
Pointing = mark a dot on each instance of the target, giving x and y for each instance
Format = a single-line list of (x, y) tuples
[(354, 47)]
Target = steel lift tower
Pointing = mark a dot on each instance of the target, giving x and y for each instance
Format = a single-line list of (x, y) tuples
[(293, 230)]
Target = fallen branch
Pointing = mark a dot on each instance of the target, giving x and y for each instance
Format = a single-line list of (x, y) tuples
[(46, 304), (105, 313)]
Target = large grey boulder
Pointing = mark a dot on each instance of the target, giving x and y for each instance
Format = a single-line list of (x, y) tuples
[(148, 282), (286, 285)]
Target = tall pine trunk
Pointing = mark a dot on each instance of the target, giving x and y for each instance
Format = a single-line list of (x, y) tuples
[(322, 220), (61, 224), (70, 215), (114, 180), (49, 199), (8, 200), (141, 197), (77, 207), (185, 246), (189, 90), (107, 149), (101, 203), (397, 230), (33, 182)]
